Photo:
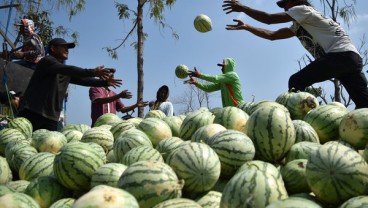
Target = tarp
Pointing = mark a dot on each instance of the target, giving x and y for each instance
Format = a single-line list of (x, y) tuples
[(17, 76)]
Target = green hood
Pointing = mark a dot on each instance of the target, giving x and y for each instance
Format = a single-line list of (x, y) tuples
[(229, 65)]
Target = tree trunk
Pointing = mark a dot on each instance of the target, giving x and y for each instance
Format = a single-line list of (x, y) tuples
[(140, 35), (336, 83)]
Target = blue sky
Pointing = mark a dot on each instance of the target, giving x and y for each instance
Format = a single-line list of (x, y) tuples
[(263, 66)]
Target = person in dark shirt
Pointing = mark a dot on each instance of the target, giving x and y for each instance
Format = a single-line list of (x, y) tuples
[(42, 101)]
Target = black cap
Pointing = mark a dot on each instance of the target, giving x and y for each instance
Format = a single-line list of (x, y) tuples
[(4, 96), (60, 41), (281, 3)]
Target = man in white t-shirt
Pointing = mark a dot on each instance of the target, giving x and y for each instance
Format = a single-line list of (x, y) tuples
[(334, 53)]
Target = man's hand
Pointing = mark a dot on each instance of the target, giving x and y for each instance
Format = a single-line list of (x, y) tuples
[(114, 82), (191, 81), (240, 26), (194, 73), (103, 73), (232, 6), (125, 94), (142, 103)]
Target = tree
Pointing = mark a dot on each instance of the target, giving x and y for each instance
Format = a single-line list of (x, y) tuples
[(156, 9)]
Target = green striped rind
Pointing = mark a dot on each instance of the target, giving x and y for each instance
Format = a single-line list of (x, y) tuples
[(79, 127), (5, 190), (194, 121), (128, 140), (268, 103), (293, 174), (336, 173), (204, 133), (110, 157), (39, 132), (23, 125), (252, 188), (355, 202), (245, 106), (353, 128), (301, 150), (141, 153), (51, 142), (100, 136), (46, 190), (283, 98), (156, 129), (234, 148), (325, 120), (155, 114), (108, 174), (202, 23), (106, 197), (304, 132), (300, 103), (40, 164), (7, 135), (210, 200), (166, 146), (151, 183), (120, 127), (178, 203), (181, 71), (231, 118), (63, 203), (293, 202), (174, 123), (198, 164), (5, 171), (17, 152), (135, 121), (18, 186), (72, 135), (107, 119), (272, 132), (18, 200), (75, 165), (99, 150)]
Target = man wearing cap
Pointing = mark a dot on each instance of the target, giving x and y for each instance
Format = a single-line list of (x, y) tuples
[(43, 99), (334, 53), (104, 100), (33, 50)]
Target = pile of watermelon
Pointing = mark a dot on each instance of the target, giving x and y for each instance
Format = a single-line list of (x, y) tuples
[(291, 152)]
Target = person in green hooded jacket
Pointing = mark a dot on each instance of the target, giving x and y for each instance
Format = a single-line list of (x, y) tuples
[(228, 82)]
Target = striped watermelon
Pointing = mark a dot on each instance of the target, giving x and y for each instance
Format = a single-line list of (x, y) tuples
[(293, 202), (272, 132), (245, 106), (120, 127), (210, 200), (233, 148), (18, 186), (100, 136), (101, 152), (108, 174), (301, 150), (107, 119), (17, 200), (7, 135), (5, 190), (194, 121), (202, 23), (75, 165), (293, 174), (40, 164), (17, 152), (150, 183), (52, 142), (79, 127), (72, 135), (283, 98), (300, 103), (5, 172), (174, 122), (353, 128), (156, 129), (304, 132), (155, 114), (268, 103), (198, 164), (141, 153), (135, 121), (46, 190), (231, 118), (325, 120), (23, 125), (106, 197), (204, 133), (355, 202), (166, 146), (178, 203), (63, 203), (110, 157), (338, 104), (336, 173), (128, 140), (252, 188)]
